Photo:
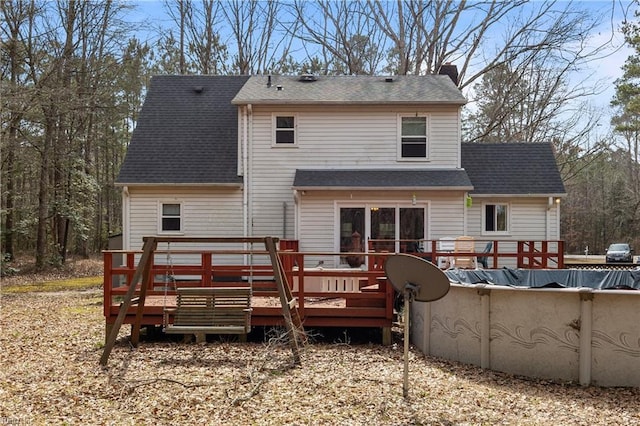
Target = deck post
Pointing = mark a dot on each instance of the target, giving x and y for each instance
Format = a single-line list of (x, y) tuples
[(107, 282), (289, 306), (207, 269), (107, 331), (147, 255), (147, 281)]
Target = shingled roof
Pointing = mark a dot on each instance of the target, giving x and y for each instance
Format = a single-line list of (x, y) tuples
[(362, 89), (187, 133), (441, 179), (512, 169)]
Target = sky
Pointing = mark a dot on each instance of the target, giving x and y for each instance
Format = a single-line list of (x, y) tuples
[(604, 70), (609, 67)]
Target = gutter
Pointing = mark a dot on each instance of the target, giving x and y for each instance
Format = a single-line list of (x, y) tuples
[(381, 188), (183, 184)]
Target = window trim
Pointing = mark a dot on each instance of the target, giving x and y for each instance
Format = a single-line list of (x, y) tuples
[(161, 204), (274, 129), (427, 118), (507, 219)]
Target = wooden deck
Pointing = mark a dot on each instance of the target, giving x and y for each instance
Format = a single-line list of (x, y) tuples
[(326, 297), (358, 298)]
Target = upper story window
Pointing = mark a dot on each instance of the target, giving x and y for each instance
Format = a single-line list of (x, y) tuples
[(171, 217), (284, 130), (413, 137), (496, 218)]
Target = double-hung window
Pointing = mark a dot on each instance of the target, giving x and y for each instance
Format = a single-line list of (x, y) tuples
[(413, 137), (496, 218), (170, 217), (284, 130)]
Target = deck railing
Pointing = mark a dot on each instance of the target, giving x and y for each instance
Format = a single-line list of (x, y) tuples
[(365, 298), (529, 254)]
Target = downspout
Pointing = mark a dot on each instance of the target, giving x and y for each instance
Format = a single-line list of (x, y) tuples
[(459, 137), (558, 220), (548, 219), (284, 219), (296, 213), (126, 211), (246, 170)]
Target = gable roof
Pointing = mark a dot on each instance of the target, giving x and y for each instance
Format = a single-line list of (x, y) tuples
[(396, 179), (402, 89), (512, 169), (187, 133)]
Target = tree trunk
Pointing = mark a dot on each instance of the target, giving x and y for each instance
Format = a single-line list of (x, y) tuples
[(43, 200)]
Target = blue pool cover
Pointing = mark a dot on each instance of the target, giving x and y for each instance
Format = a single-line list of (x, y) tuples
[(549, 278)]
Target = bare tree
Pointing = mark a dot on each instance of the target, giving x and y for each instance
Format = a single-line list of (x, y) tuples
[(15, 17), (349, 41), (198, 47), (65, 66), (480, 35), (530, 104), (258, 44)]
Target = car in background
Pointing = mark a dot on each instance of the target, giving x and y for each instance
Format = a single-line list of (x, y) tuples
[(619, 252)]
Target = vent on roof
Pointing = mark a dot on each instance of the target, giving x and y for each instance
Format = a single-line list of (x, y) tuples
[(388, 79), (307, 78), (198, 89)]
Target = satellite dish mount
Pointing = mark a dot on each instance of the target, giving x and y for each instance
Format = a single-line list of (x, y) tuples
[(417, 280)]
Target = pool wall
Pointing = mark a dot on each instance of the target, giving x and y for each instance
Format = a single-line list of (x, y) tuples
[(581, 335)]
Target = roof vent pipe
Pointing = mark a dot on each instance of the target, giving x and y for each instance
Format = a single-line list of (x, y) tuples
[(269, 81)]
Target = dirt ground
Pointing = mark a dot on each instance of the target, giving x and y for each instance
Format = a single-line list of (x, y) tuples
[(51, 343)]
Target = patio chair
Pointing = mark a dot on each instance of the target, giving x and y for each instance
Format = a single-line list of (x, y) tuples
[(445, 245), (484, 260), (463, 245)]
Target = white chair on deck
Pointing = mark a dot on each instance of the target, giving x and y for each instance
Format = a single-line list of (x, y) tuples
[(445, 245), (465, 245)]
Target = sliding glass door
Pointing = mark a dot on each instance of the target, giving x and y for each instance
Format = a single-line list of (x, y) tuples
[(390, 229)]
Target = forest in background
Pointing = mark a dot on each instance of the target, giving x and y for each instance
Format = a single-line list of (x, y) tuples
[(74, 74)]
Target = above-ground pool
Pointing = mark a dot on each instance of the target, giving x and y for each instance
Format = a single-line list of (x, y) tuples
[(602, 279), (564, 325)]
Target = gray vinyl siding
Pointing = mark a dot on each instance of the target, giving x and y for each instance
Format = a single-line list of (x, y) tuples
[(319, 212), (527, 218), (334, 137), (528, 222), (447, 215), (206, 212)]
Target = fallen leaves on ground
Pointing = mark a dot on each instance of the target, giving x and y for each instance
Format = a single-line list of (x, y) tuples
[(51, 344)]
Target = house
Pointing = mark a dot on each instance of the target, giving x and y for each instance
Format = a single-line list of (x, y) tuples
[(339, 163)]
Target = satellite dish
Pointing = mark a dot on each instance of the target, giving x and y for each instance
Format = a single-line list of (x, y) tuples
[(426, 281), (419, 280)]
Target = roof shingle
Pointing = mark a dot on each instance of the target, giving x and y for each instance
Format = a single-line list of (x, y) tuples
[(512, 169), (187, 133), (403, 89), (440, 179)]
